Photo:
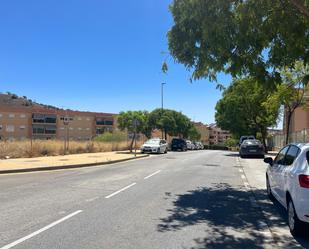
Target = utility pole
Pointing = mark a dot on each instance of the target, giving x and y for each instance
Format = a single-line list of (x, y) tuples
[(162, 84)]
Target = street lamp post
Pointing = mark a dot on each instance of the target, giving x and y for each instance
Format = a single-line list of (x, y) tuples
[(162, 84)]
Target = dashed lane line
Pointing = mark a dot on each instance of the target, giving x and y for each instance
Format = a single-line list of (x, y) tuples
[(16, 242), (119, 191)]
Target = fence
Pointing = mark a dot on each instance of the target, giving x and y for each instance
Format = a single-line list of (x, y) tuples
[(278, 141)]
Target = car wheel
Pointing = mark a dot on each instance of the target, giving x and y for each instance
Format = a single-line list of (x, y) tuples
[(268, 188), (295, 224), (165, 151)]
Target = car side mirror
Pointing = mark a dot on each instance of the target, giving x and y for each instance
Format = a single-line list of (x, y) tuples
[(269, 160)]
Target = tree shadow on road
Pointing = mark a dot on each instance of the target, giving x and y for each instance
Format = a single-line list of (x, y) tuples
[(230, 218)]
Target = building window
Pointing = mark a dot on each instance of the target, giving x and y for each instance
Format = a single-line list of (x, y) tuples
[(87, 129), (22, 115), (88, 119), (41, 118), (79, 118), (109, 122), (22, 127), (66, 119), (61, 128), (1, 115), (10, 128), (79, 129), (38, 129), (38, 118), (50, 130), (0, 127), (99, 131), (11, 115), (50, 119), (71, 128)]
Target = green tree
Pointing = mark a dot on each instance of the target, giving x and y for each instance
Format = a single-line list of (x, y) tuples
[(194, 134), (170, 122), (291, 93), (245, 109), (253, 37), (135, 122)]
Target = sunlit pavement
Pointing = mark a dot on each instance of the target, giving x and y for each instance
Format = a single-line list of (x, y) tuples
[(197, 199)]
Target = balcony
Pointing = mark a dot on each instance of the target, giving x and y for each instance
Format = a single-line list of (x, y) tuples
[(44, 119), (100, 121)]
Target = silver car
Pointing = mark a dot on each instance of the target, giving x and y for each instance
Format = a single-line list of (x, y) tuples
[(154, 145)]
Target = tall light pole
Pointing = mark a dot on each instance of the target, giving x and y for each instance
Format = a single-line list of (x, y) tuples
[(162, 84)]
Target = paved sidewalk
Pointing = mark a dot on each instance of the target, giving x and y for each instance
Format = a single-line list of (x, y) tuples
[(62, 162)]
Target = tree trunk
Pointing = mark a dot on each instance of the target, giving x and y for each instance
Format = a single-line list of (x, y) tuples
[(264, 135), (132, 142), (287, 132)]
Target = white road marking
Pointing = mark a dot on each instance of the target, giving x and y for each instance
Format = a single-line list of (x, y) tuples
[(240, 170), (243, 176), (120, 190), (92, 199), (157, 172), (16, 242)]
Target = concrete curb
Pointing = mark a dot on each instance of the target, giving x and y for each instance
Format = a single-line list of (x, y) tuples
[(72, 166)]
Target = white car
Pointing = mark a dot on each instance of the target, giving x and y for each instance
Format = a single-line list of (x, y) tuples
[(287, 179), (190, 145), (154, 145)]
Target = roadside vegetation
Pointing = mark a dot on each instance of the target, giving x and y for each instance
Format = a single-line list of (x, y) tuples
[(170, 122), (20, 149)]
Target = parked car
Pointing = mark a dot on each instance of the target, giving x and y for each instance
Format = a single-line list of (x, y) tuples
[(287, 180), (251, 148), (178, 144), (154, 145), (198, 145), (201, 145), (243, 138), (190, 145)]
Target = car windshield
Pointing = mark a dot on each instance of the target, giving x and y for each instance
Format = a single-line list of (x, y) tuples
[(153, 141), (252, 142)]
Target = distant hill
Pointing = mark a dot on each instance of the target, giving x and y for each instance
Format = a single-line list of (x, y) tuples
[(13, 100)]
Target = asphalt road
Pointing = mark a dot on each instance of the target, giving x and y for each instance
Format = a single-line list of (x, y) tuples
[(192, 199)]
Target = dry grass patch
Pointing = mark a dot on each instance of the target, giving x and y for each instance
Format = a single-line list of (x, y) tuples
[(19, 149)]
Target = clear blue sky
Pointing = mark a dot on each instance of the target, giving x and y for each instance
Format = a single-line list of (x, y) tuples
[(97, 55)]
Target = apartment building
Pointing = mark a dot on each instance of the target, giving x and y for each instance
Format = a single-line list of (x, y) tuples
[(217, 135), (18, 123)]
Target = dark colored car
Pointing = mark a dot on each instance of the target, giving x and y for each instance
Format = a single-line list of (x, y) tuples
[(178, 144), (252, 147), (243, 138)]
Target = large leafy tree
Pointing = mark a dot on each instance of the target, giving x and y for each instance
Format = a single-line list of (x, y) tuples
[(252, 37), (170, 122), (291, 93), (135, 122), (245, 109)]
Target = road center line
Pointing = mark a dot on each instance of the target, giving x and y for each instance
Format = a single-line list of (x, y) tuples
[(117, 192), (16, 242), (157, 172)]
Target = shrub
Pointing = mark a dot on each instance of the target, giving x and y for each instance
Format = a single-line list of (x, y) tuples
[(116, 136)]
